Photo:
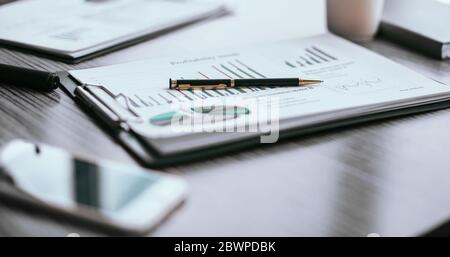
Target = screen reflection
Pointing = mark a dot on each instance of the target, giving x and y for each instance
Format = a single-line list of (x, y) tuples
[(54, 176)]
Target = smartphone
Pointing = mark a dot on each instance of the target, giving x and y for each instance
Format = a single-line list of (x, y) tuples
[(115, 196)]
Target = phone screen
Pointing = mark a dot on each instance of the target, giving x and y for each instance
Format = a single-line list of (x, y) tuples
[(56, 177)]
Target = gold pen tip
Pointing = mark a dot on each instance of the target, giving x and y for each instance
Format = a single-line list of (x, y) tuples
[(309, 81)]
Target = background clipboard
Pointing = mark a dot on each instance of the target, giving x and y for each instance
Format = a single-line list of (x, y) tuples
[(97, 50)]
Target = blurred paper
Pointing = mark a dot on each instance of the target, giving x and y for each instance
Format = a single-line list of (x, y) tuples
[(77, 27)]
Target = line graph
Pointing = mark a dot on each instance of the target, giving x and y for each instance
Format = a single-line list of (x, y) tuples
[(359, 86)]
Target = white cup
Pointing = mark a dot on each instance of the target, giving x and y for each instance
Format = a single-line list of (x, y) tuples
[(357, 20)]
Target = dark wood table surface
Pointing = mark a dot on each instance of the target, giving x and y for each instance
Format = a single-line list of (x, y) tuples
[(390, 177)]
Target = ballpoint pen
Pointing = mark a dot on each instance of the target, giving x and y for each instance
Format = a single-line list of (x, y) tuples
[(204, 84), (35, 79)]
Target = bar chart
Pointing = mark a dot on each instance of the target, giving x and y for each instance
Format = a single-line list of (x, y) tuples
[(234, 68), (311, 56)]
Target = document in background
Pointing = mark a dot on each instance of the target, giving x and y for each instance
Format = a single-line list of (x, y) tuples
[(75, 28), (252, 22), (357, 81)]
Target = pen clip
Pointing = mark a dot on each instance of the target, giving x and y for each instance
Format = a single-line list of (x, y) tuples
[(108, 104)]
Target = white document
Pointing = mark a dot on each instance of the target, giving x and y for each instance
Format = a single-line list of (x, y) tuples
[(74, 27), (357, 82)]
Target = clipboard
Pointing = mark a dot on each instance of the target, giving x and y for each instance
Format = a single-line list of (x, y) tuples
[(223, 12), (115, 119), (115, 44)]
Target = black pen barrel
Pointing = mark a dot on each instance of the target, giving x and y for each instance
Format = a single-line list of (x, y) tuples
[(275, 82), (35, 79), (200, 82), (205, 84)]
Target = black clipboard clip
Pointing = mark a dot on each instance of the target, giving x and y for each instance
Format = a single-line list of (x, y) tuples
[(114, 109)]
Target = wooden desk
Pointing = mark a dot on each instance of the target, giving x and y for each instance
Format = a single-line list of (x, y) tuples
[(390, 177)]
